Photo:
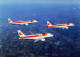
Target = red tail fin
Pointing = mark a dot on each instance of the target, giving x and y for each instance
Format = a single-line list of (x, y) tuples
[(20, 33), (48, 23), (9, 20)]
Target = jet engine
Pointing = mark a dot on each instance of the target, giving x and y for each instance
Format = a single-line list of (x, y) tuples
[(42, 39), (66, 27)]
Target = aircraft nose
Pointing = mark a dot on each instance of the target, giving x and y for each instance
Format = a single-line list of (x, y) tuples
[(36, 21), (72, 24), (52, 35)]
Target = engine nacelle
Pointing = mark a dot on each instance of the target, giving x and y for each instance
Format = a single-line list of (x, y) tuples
[(42, 39), (26, 24), (66, 27)]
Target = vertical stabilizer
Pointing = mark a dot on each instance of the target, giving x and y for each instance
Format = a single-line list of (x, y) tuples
[(9, 20), (20, 33), (48, 23)]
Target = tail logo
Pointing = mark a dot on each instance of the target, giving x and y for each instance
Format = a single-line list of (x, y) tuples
[(9, 20), (49, 24), (20, 33)]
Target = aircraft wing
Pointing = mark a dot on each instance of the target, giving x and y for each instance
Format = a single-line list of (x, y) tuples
[(42, 39), (36, 40), (65, 27), (26, 23), (32, 33)]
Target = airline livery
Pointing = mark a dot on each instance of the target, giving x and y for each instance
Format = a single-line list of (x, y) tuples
[(64, 26), (36, 37), (22, 22)]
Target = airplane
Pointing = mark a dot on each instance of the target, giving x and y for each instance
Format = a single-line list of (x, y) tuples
[(64, 26), (36, 37), (22, 22)]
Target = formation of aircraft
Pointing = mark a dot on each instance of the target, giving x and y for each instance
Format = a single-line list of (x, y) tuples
[(38, 37), (22, 22), (64, 26)]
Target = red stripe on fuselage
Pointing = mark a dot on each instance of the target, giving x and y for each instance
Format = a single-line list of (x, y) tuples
[(30, 36), (34, 36), (19, 22), (58, 25)]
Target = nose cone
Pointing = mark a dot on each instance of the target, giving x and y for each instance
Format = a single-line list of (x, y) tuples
[(35, 21), (52, 35), (72, 24)]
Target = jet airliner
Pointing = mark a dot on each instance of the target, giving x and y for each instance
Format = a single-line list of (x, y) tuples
[(22, 22), (64, 26), (36, 37)]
